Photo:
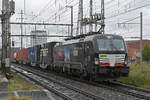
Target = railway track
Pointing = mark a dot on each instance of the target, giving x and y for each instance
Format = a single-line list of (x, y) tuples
[(66, 91), (140, 93), (94, 90), (126, 89), (132, 90)]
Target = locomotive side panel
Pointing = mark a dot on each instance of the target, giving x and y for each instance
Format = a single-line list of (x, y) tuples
[(89, 57), (77, 55), (70, 56)]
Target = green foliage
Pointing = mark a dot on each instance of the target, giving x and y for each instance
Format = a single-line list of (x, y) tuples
[(146, 52), (139, 76), (17, 83), (0, 78), (1, 75)]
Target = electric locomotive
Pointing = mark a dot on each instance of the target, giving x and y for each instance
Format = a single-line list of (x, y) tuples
[(99, 57), (96, 56)]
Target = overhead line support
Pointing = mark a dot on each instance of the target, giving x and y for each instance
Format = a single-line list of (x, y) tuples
[(28, 23), (8, 9), (141, 34)]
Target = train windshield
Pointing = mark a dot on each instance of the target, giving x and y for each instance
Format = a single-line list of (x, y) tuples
[(111, 45)]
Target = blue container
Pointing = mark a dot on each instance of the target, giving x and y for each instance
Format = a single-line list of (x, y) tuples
[(32, 54)]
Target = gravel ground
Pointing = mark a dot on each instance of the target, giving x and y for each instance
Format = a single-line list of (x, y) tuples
[(101, 92)]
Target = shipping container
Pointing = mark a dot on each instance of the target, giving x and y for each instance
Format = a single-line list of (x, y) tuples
[(19, 55), (12, 56), (32, 52), (46, 54), (15, 56), (25, 55)]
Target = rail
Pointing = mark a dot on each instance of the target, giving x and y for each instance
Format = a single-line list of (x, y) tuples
[(64, 90)]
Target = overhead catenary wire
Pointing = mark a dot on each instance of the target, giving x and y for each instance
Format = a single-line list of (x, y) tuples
[(116, 15), (66, 13), (130, 10), (131, 19), (60, 12), (43, 10)]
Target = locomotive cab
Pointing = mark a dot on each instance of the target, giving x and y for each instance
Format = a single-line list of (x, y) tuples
[(110, 58)]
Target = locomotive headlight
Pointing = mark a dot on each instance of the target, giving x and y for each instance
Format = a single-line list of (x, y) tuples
[(126, 62), (96, 61)]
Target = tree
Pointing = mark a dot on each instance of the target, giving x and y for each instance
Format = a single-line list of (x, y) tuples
[(146, 53)]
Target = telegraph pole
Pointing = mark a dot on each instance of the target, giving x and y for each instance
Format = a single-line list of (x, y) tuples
[(71, 7), (94, 18), (141, 34), (4, 34), (24, 6), (141, 37), (7, 11), (102, 16), (80, 18), (91, 16), (96, 27), (21, 27), (71, 21)]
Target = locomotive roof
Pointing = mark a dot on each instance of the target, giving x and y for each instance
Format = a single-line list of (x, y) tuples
[(91, 38)]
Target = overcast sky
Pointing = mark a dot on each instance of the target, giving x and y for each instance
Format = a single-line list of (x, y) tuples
[(45, 11)]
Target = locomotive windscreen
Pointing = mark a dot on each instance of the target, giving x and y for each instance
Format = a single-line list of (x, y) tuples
[(111, 45)]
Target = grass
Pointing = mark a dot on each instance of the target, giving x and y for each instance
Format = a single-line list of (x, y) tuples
[(20, 98), (17, 83), (139, 76), (10, 97), (1, 76)]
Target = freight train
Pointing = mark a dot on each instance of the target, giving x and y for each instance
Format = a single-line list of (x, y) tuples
[(98, 57)]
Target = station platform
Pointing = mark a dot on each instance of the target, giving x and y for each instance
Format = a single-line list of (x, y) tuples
[(32, 95), (41, 94)]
